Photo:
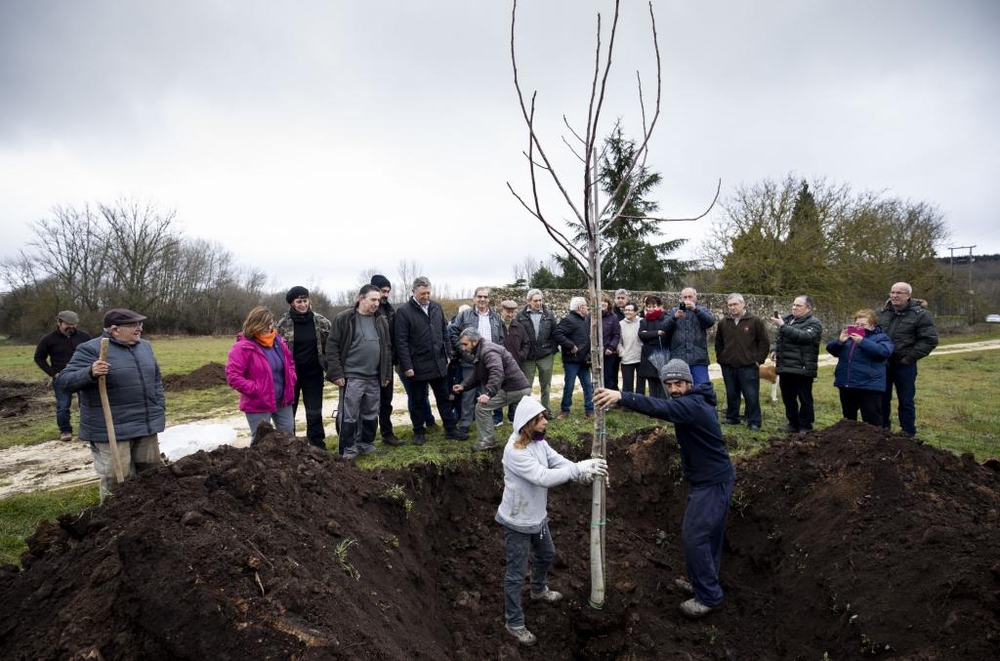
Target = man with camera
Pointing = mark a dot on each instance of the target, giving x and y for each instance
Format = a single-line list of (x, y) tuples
[(686, 326)]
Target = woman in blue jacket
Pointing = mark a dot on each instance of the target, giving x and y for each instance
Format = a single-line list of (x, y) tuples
[(863, 352)]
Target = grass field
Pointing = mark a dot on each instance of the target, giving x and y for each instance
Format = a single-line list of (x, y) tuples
[(956, 411)]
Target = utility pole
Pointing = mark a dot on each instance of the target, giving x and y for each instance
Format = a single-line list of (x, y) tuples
[(972, 312)]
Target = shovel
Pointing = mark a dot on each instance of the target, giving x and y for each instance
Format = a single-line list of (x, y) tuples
[(102, 386)]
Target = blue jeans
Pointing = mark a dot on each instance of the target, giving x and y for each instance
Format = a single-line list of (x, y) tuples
[(745, 382), (282, 419), (517, 546), (573, 371), (702, 535), (904, 379), (699, 374), (64, 399)]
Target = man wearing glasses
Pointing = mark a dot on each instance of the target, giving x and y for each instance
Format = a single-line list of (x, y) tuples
[(487, 322), (135, 395), (913, 333), (52, 354)]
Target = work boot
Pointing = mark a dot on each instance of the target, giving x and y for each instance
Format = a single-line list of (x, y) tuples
[(684, 586), (589, 414), (456, 434), (66, 436), (390, 439), (694, 609), (348, 433), (548, 596), (484, 445), (419, 438), (788, 429), (563, 415), (523, 636)]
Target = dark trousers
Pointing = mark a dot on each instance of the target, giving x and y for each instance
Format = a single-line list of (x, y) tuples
[(631, 382), (742, 382), (797, 396), (869, 402), (385, 408), (655, 388), (421, 402), (310, 388), (702, 536), (425, 405), (611, 363), (904, 379), (517, 549)]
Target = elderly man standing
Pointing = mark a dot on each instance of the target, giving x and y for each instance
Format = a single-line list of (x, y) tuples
[(422, 348), (135, 395), (539, 323), (572, 334), (52, 354), (359, 362), (496, 374), (796, 352), (686, 326), (911, 328), (486, 320), (306, 333), (741, 346)]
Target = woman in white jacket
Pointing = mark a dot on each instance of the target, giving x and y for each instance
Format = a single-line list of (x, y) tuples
[(530, 467)]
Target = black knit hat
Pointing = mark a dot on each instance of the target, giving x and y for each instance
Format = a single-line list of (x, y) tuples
[(381, 281), (298, 291)]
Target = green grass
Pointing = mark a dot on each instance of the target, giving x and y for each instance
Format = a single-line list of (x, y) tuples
[(21, 513)]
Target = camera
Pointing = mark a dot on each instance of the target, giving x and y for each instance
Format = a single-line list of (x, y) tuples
[(681, 305), (776, 315)]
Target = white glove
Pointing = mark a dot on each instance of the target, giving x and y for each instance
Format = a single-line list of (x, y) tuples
[(591, 468)]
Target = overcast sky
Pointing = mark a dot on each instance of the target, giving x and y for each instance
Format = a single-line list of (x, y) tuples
[(319, 139)]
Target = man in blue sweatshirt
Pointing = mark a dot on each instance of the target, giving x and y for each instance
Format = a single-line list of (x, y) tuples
[(706, 467)]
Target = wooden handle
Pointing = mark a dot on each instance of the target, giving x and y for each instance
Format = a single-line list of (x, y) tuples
[(109, 422)]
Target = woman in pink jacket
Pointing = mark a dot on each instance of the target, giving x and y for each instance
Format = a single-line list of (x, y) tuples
[(261, 369)]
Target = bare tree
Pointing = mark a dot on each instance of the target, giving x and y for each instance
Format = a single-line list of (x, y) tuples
[(408, 270), (525, 269), (588, 218)]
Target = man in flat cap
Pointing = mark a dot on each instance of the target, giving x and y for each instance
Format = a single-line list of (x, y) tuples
[(52, 354), (135, 395)]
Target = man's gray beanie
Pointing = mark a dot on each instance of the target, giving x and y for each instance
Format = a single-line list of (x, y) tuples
[(676, 370)]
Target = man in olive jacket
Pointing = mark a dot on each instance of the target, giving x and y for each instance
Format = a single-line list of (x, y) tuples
[(496, 374), (796, 352), (914, 335)]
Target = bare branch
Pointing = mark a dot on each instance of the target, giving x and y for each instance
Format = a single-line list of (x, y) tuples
[(573, 131), (718, 188), (572, 150)]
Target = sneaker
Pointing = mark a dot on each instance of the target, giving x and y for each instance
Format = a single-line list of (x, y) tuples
[(694, 609), (684, 586), (498, 424), (481, 446), (753, 427), (522, 634), (419, 438), (374, 450), (549, 596), (431, 426), (66, 436), (456, 435), (390, 439)]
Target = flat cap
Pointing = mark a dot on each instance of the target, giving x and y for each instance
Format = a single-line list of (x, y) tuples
[(121, 317)]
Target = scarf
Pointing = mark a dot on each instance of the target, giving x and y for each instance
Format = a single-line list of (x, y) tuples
[(266, 340), (300, 317), (653, 315)]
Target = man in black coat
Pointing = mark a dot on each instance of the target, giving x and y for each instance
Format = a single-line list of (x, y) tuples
[(386, 310), (539, 323), (572, 334), (422, 349), (913, 333), (52, 354)]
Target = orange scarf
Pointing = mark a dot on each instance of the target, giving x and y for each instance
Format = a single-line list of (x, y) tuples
[(266, 340)]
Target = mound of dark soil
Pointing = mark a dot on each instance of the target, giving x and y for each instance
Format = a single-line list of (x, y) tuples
[(849, 542), (18, 398), (207, 376)]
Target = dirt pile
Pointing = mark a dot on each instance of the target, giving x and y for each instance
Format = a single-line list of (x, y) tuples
[(848, 542), (20, 398), (207, 376)]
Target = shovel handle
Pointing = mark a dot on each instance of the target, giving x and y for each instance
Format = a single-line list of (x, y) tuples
[(109, 422)]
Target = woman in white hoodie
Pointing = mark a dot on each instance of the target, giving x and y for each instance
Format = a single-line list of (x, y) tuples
[(530, 467)]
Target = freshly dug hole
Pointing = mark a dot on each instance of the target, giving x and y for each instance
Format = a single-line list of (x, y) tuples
[(845, 542)]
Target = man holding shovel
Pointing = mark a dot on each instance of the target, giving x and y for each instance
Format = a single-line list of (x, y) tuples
[(122, 408)]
